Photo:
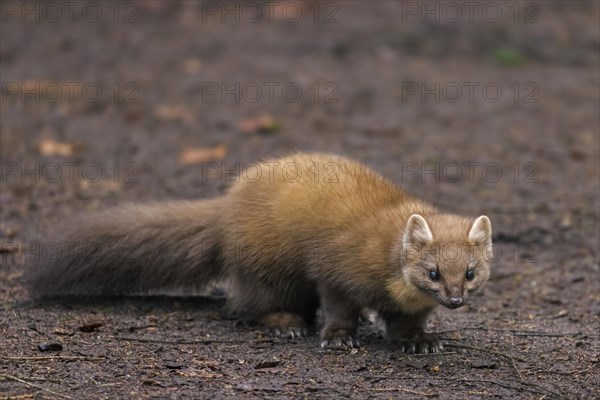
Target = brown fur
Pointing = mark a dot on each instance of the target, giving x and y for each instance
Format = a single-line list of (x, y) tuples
[(311, 229)]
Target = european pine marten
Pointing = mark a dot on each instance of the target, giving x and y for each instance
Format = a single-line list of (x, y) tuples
[(304, 231)]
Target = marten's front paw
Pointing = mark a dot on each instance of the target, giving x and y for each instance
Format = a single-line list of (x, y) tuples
[(418, 344), (284, 324), (339, 339)]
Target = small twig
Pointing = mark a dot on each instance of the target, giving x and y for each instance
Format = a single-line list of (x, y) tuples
[(572, 372), (512, 360), (540, 389), (543, 388), (399, 389), (16, 379), (430, 354), (497, 353), (44, 358), (316, 389), (519, 333), (551, 334), (137, 328), (459, 346), (148, 340), (20, 396), (479, 326), (407, 356)]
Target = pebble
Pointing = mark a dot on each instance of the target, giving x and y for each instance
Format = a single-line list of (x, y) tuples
[(50, 347)]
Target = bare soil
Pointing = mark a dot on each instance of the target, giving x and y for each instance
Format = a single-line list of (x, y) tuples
[(534, 332)]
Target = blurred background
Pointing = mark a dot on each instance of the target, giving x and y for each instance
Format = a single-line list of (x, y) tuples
[(479, 107), (129, 100)]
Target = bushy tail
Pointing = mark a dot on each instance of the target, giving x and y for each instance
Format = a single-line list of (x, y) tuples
[(131, 250)]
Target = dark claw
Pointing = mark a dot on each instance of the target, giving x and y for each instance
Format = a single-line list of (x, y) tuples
[(339, 340), (419, 345), (283, 324), (292, 332)]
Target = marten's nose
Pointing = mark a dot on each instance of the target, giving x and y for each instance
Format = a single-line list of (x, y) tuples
[(455, 302)]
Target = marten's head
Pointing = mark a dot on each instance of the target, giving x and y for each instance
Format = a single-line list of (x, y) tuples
[(447, 256)]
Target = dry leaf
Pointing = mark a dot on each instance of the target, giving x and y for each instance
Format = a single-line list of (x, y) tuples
[(102, 187), (267, 364), (8, 247), (195, 373), (434, 368), (49, 147), (197, 155), (261, 124), (192, 66), (90, 327), (174, 113)]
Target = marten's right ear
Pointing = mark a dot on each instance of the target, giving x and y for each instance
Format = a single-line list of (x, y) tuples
[(417, 232)]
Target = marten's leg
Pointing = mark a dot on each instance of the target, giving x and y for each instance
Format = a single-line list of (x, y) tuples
[(282, 311), (341, 319), (408, 332), (284, 323)]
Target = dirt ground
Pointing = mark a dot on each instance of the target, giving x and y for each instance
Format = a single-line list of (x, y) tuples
[(526, 155)]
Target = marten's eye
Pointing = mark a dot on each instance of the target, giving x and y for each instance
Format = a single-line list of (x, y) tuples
[(470, 275), (434, 275)]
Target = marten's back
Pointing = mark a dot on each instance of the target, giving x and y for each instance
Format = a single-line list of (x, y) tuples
[(305, 197)]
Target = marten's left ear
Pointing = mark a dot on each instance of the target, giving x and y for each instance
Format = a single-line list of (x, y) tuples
[(481, 231)]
